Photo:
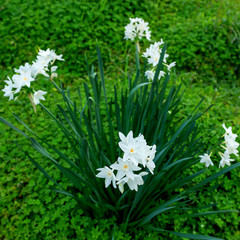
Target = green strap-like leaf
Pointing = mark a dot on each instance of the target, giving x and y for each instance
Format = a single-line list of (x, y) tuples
[(13, 127)]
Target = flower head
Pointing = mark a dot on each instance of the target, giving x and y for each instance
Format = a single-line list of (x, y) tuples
[(38, 95), (206, 159), (132, 183), (173, 64), (137, 28), (134, 149), (149, 160), (151, 73), (225, 159), (124, 168), (109, 176), (24, 68), (8, 92)]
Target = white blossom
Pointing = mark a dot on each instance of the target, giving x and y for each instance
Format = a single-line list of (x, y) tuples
[(24, 68), (38, 95), (225, 159), (173, 64), (8, 92), (206, 159), (150, 75), (109, 176), (39, 67), (133, 182), (22, 79), (134, 150), (149, 160), (124, 168)]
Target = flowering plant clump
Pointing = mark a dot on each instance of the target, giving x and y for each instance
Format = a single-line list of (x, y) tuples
[(163, 147)]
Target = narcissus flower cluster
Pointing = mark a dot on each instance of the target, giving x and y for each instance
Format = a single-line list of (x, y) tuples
[(153, 54), (230, 148), (137, 154), (137, 28), (27, 74)]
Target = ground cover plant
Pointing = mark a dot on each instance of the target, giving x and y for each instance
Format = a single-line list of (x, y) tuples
[(167, 118)]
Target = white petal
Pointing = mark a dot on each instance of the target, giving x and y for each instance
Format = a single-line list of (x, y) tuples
[(107, 182), (120, 174)]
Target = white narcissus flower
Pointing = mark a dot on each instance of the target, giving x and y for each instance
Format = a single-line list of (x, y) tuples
[(38, 95), (231, 147), (8, 92), (39, 67), (54, 69), (173, 64), (133, 150), (153, 54), (206, 159), (161, 74), (133, 182), (124, 168), (24, 68), (137, 151), (27, 73), (127, 138), (49, 55), (109, 176), (26, 78), (150, 75), (149, 160), (43, 61), (22, 79), (225, 159), (229, 131)]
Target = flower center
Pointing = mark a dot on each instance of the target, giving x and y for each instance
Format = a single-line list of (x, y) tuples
[(25, 78), (125, 167), (109, 174)]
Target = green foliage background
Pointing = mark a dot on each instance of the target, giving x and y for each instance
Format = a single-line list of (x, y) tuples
[(203, 37)]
